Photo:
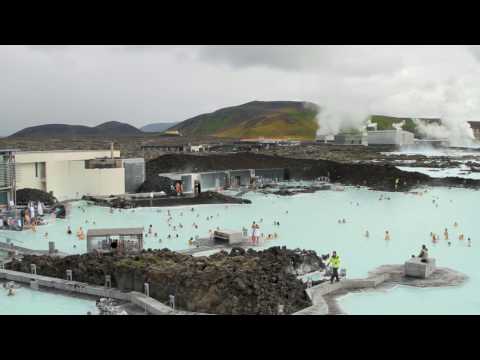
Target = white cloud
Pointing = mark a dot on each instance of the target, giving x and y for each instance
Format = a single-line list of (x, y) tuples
[(142, 84)]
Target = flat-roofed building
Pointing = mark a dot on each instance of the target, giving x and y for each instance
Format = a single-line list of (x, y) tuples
[(69, 174), (350, 138), (390, 137)]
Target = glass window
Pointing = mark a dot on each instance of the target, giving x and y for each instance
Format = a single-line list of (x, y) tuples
[(36, 170)]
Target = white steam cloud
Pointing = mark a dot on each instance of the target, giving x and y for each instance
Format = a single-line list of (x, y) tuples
[(331, 120), (457, 132)]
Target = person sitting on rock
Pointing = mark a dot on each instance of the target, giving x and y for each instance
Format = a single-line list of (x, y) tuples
[(423, 254)]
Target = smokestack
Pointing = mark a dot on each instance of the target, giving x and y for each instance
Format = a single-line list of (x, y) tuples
[(111, 150)]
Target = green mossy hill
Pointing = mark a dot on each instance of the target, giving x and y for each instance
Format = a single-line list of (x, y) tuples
[(271, 119)]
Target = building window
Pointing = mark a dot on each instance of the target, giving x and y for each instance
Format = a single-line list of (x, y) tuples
[(36, 169)]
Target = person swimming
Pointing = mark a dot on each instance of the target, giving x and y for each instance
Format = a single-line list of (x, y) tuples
[(469, 242), (387, 235), (445, 233), (80, 234), (367, 234), (455, 224), (69, 230), (461, 237)]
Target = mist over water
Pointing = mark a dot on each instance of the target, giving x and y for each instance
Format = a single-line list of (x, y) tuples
[(430, 151)]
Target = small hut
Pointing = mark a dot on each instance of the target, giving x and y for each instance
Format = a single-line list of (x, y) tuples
[(129, 240)]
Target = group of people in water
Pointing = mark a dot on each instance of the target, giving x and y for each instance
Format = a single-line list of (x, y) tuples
[(435, 238)]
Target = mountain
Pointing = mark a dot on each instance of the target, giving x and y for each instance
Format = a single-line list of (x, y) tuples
[(115, 128), (272, 119), (157, 127), (112, 128)]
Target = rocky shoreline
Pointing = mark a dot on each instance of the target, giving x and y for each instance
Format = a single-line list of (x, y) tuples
[(377, 177), (207, 197), (239, 282)]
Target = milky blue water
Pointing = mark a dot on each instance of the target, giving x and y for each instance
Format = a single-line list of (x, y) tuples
[(32, 302), (312, 223), (461, 171)]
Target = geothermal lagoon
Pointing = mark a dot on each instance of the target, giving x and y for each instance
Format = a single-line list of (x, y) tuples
[(310, 221), (33, 302)]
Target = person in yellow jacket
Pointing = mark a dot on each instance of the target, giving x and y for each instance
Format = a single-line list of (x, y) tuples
[(334, 262)]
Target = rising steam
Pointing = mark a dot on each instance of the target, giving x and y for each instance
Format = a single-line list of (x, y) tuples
[(457, 132)]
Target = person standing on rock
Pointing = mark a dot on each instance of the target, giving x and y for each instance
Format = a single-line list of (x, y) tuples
[(334, 262)]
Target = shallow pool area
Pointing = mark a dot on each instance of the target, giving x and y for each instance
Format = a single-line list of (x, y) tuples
[(310, 221), (407, 300), (27, 301)]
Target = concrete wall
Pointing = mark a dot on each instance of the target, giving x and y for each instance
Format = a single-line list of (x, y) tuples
[(271, 174), (134, 174), (245, 177), (66, 176), (349, 139), (210, 181), (26, 177), (390, 137), (70, 180)]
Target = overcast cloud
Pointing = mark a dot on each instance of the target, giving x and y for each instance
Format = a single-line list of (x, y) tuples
[(89, 85)]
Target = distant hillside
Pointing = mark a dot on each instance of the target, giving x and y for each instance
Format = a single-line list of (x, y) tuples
[(112, 128), (272, 119), (157, 127), (385, 123)]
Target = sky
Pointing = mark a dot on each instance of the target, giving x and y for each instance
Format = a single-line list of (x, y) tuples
[(89, 85)]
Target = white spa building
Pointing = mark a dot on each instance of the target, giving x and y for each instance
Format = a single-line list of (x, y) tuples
[(71, 174)]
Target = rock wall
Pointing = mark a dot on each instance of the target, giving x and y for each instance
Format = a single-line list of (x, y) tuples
[(239, 282), (376, 177)]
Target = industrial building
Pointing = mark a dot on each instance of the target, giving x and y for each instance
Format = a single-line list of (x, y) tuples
[(390, 137), (325, 138), (68, 174), (350, 138)]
